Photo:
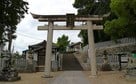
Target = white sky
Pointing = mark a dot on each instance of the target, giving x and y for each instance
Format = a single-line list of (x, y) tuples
[(27, 33)]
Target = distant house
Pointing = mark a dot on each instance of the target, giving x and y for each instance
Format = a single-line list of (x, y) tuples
[(74, 47), (39, 51)]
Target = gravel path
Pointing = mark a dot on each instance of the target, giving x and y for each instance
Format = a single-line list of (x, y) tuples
[(73, 77), (70, 77)]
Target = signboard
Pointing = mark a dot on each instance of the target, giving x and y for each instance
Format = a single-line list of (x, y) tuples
[(70, 20), (134, 55)]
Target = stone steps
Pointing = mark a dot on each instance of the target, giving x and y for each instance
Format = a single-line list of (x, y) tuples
[(70, 62)]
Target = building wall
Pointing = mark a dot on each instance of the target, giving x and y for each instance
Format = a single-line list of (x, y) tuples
[(41, 57)]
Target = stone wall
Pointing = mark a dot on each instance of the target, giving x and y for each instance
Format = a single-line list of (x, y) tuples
[(20, 64), (122, 45), (129, 47), (125, 45)]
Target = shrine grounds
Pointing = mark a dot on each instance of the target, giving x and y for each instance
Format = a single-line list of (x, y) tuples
[(110, 77)]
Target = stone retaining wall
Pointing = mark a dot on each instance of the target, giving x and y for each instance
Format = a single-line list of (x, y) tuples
[(129, 47), (126, 45)]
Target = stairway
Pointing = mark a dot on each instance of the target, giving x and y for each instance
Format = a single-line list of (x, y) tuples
[(70, 62)]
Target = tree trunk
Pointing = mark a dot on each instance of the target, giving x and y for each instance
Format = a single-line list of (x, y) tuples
[(10, 41)]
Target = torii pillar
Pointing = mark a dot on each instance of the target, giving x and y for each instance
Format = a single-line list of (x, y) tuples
[(48, 52), (91, 51), (70, 18)]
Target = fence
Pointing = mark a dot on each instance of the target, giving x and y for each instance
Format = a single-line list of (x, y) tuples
[(112, 43), (112, 48), (114, 60), (20, 64)]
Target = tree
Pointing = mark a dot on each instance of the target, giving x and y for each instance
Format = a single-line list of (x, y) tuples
[(91, 7), (11, 12), (62, 43), (125, 23), (83, 35)]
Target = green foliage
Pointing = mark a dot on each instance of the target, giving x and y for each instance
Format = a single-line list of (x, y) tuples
[(16, 55), (124, 24), (83, 6), (11, 12), (91, 7), (116, 27), (62, 43), (1, 55), (84, 37)]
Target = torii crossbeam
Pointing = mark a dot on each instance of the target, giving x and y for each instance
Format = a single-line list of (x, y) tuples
[(69, 19)]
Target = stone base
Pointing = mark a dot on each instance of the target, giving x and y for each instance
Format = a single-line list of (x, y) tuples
[(131, 77), (106, 67), (11, 79), (45, 76), (9, 74), (93, 76)]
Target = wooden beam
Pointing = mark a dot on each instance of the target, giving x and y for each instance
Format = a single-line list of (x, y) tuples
[(84, 27)]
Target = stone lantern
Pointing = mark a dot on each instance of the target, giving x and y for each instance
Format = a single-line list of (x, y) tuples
[(131, 68), (105, 66), (8, 73)]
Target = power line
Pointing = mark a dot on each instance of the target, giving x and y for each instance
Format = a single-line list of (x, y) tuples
[(29, 36)]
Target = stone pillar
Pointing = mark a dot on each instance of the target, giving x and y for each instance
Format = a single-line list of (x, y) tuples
[(48, 50), (92, 56)]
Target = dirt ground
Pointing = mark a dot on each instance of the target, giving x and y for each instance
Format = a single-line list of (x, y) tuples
[(32, 78), (113, 77)]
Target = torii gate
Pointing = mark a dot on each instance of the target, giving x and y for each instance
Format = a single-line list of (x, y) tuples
[(70, 19)]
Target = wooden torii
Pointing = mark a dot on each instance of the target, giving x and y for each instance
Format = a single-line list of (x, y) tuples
[(70, 20)]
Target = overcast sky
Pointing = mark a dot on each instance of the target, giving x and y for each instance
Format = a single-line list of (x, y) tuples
[(27, 33)]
